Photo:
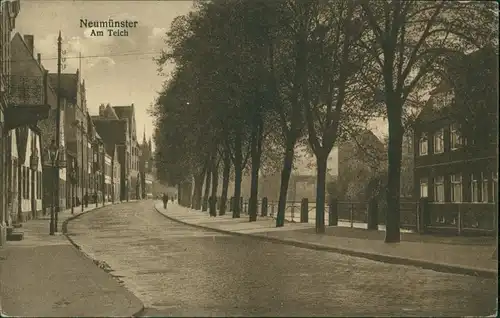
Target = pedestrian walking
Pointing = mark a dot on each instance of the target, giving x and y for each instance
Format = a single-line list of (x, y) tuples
[(165, 200)]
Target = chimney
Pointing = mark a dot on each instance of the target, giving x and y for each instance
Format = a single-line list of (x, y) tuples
[(29, 40), (39, 58), (101, 110)]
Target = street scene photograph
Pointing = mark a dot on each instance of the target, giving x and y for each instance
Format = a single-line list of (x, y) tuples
[(249, 158)]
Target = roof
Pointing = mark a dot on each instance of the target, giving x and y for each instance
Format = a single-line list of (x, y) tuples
[(112, 131), (124, 111), (69, 84)]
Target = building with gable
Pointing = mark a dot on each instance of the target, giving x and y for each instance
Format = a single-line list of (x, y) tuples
[(9, 11), (116, 126), (76, 134), (30, 183)]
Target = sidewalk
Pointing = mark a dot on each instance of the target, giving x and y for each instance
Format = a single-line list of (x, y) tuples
[(470, 256), (45, 275)]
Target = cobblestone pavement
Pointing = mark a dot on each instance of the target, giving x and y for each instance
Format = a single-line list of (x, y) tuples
[(178, 270)]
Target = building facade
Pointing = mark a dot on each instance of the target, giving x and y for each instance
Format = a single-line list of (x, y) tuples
[(9, 11), (116, 125), (457, 174), (76, 128)]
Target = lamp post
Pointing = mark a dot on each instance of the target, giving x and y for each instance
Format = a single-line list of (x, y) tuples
[(34, 168), (50, 162), (72, 176)]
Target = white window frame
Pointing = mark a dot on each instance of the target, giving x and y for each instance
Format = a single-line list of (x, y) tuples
[(424, 187), (438, 138), (474, 189), (423, 150), (484, 188), (456, 179), (439, 185), (455, 139)]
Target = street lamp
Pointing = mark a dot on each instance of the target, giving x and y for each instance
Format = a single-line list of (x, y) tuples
[(50, 162), (34, 168)]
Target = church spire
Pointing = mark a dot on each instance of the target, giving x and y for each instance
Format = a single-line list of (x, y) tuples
[(144, 142)]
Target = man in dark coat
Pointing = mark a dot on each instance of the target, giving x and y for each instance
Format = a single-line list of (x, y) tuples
[(165, 200)]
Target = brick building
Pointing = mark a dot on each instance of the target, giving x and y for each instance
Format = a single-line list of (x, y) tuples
[(116, 125), (458, 174), (75, 132), (9, 11)]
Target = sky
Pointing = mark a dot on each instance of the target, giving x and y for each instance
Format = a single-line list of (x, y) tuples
[(117, 70)]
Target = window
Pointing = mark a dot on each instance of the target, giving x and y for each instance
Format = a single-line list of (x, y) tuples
[(494, 177), (455, 139), (439, 189), (423, 187), (422, 145), (474, 190), (28, 194), (456, 188), (439, 141), (484, 188)]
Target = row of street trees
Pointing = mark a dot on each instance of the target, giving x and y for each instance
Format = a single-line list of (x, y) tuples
[(253, 78)]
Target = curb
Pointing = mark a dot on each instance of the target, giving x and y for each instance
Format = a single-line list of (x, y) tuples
[(79, 249), (438, 267)]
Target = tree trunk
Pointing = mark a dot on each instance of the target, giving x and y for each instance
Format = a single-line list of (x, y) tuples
[(207, 188), (225, 183), (321, 160), (238, 175), (198, 190), (392, 233), (180, 194), (285, 179), (256, 149), (215, 185)]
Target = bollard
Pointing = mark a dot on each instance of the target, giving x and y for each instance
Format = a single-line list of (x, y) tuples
[(372, 214), (333, 215), (304, 210), (351, 215), (263, 211)]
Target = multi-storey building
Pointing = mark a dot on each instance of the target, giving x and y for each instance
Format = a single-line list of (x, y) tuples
[(8, 13), (36, 139), (458, 174), (76, 128), (116, 125)]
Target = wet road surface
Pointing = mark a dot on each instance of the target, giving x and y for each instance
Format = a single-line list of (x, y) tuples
[(177, 270)]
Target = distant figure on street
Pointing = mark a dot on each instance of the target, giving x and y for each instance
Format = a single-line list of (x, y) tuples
[(172, 199), (165, 200)]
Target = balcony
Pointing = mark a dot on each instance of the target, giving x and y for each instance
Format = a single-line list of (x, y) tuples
[(25, 96)]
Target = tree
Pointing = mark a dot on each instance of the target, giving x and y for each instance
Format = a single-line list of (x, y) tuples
[(406, 40), (332, 65)]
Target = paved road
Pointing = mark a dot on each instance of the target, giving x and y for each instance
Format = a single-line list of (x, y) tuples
[(182, 271)]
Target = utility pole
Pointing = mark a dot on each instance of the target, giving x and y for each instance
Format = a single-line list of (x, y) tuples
[(58, 130)]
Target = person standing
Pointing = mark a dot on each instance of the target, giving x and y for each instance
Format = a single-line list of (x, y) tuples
[(165, 200)]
